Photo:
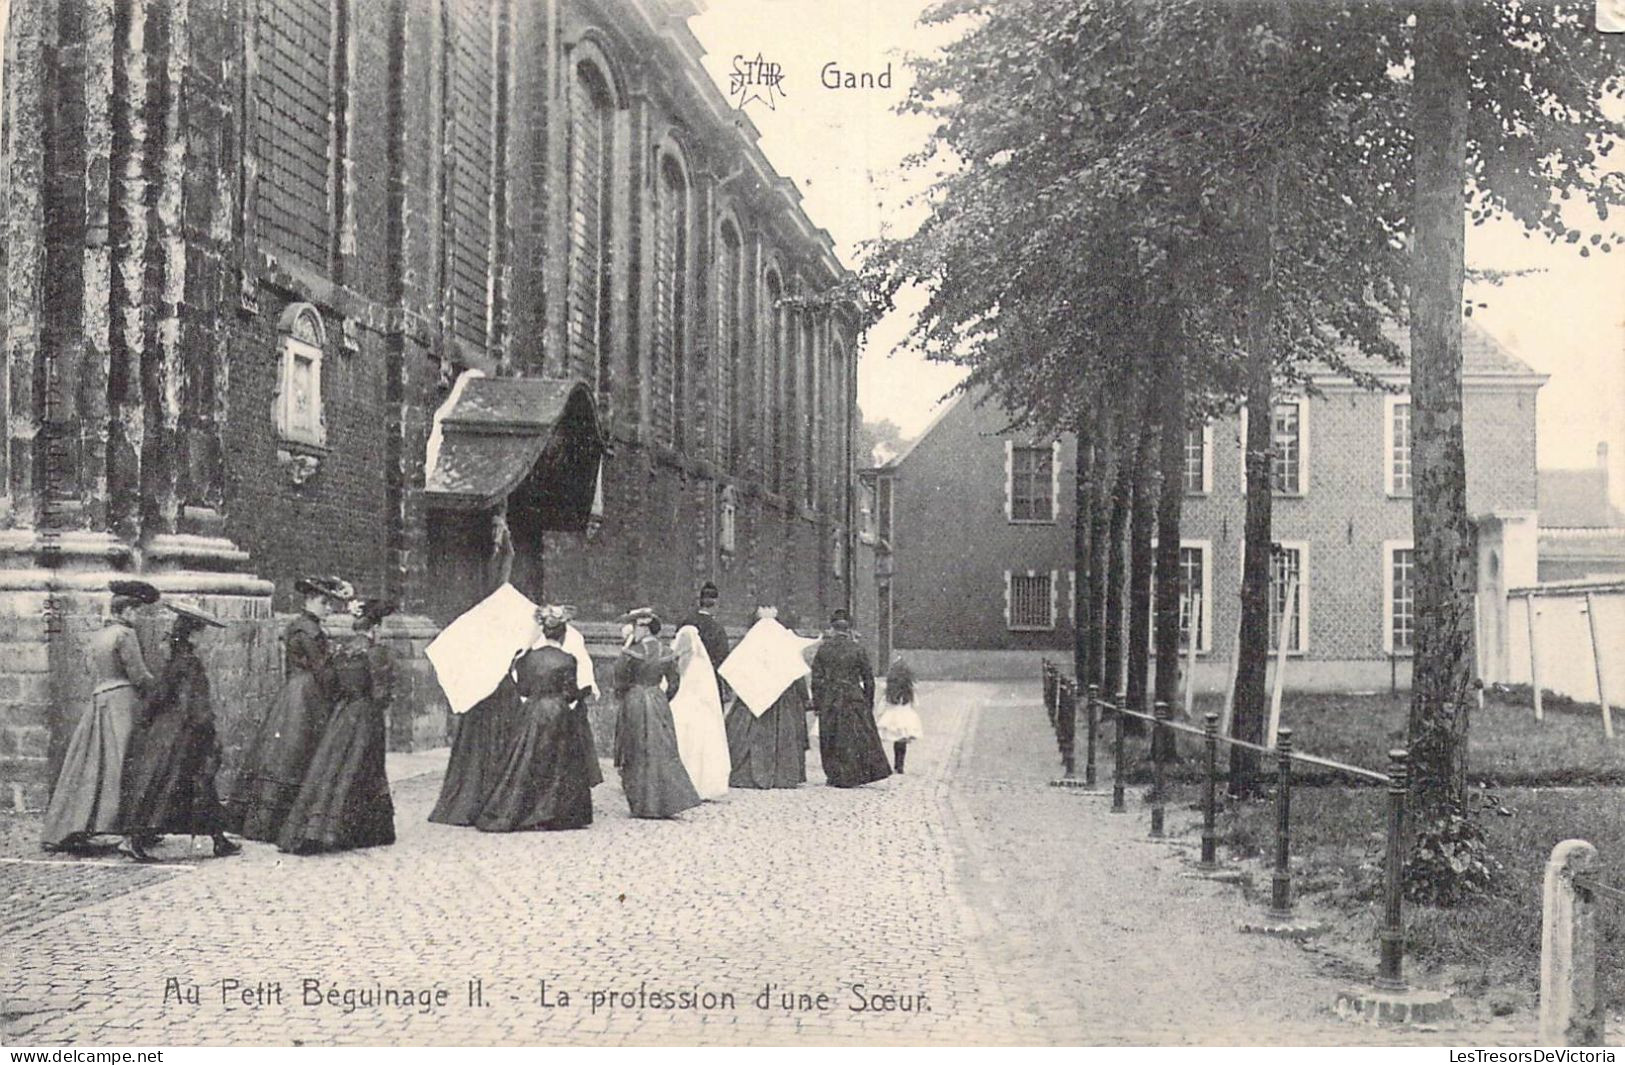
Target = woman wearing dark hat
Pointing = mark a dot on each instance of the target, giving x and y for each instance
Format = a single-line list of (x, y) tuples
[(85, 801), (275, 766), (169, 771), (344, 802), (652, 773), (843, 687), (545, 782)]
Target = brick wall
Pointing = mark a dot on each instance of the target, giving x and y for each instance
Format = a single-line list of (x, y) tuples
[(953, 541)]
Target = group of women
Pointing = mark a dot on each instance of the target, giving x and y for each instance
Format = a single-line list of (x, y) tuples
[(523, 758), (142, 760)]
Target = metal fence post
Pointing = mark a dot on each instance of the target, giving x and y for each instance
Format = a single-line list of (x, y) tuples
[(1118, 804), (1391, 966), (1067, 708), (1159, 774), (1094, 722), (1210, 834), (1281, 881), (1571, 1012)]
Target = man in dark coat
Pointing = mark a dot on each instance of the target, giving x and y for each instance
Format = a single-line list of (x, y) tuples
[(712, 635), (843, 688)]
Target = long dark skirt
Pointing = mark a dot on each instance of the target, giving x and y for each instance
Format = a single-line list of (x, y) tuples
[(849, 744), (652, 773), (169, 778), (769, 751), (275, 767), (344, 803), (544, 783), (479, 751)]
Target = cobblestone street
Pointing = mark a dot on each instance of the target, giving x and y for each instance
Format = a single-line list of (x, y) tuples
[(996, 909)]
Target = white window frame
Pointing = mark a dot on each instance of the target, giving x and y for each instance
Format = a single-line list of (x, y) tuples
[(1207, 463), (1204, 637), (1388, 549), (1054, 581), (728, 518), (1054, 484), (1389, 402), (1303, 449), (1304, 583), (301, 336)]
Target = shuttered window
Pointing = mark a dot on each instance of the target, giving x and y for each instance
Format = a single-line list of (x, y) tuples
[(671, 298), (730, 276), (293, 95), (470, 131), (587, 297), (774, 327)]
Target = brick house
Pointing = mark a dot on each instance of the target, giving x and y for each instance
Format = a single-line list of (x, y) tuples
[(320, 285), (979, 526)]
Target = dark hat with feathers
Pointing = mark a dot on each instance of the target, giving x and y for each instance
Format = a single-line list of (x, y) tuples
[(332, 587), (372, 611), (139, 591), (193, 612)]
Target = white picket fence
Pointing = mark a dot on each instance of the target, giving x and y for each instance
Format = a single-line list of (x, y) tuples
[(1578, 636)]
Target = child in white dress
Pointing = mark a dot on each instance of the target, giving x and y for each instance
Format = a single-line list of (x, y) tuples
[(898, 721)]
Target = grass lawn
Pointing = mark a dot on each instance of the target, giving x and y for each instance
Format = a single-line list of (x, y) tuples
[(1507, 746), (1490, 945)]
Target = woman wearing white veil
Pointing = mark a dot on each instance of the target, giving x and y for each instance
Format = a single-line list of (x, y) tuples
[(696, 710)]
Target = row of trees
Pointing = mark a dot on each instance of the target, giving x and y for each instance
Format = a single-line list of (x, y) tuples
[(1157, 213)]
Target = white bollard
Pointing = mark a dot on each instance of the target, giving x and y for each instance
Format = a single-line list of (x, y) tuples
[(1570, 1008)]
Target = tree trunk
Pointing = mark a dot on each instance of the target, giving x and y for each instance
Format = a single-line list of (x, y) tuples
[(1254, 648), (1128, 453), (1170, 500), (1100, 515), (1442, 663), (1080, 563), (1142, 526)]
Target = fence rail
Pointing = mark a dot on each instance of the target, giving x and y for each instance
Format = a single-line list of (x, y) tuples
[(1061, 704)]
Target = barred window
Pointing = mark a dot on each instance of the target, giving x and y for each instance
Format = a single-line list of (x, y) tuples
[(1399, 448), (730, 293), (1286, 567), (591, 177), (1032, 481), (469, 100), (671, 300), (1031, 599), (1402, 610), (1286, 438), (293, 94)]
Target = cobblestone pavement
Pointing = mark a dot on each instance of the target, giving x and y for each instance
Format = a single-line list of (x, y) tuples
[(994, 908)]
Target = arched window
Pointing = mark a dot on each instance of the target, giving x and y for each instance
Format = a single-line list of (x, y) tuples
[(774, 335), (809, 414), (591, 176), (671, 304), (293, 130), (730, 296), (470, 127)]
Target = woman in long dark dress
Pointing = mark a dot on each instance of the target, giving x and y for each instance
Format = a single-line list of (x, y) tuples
[(479, 749), (545, 783), (85, 800), (169, 771), (344, 802), (768, 670), (275, 767), (652, 773)]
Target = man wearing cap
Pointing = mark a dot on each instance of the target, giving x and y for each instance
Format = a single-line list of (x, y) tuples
[(712, 635), (843, 686)]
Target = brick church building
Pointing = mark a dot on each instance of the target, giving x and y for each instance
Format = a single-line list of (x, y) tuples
[(329, 286)]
